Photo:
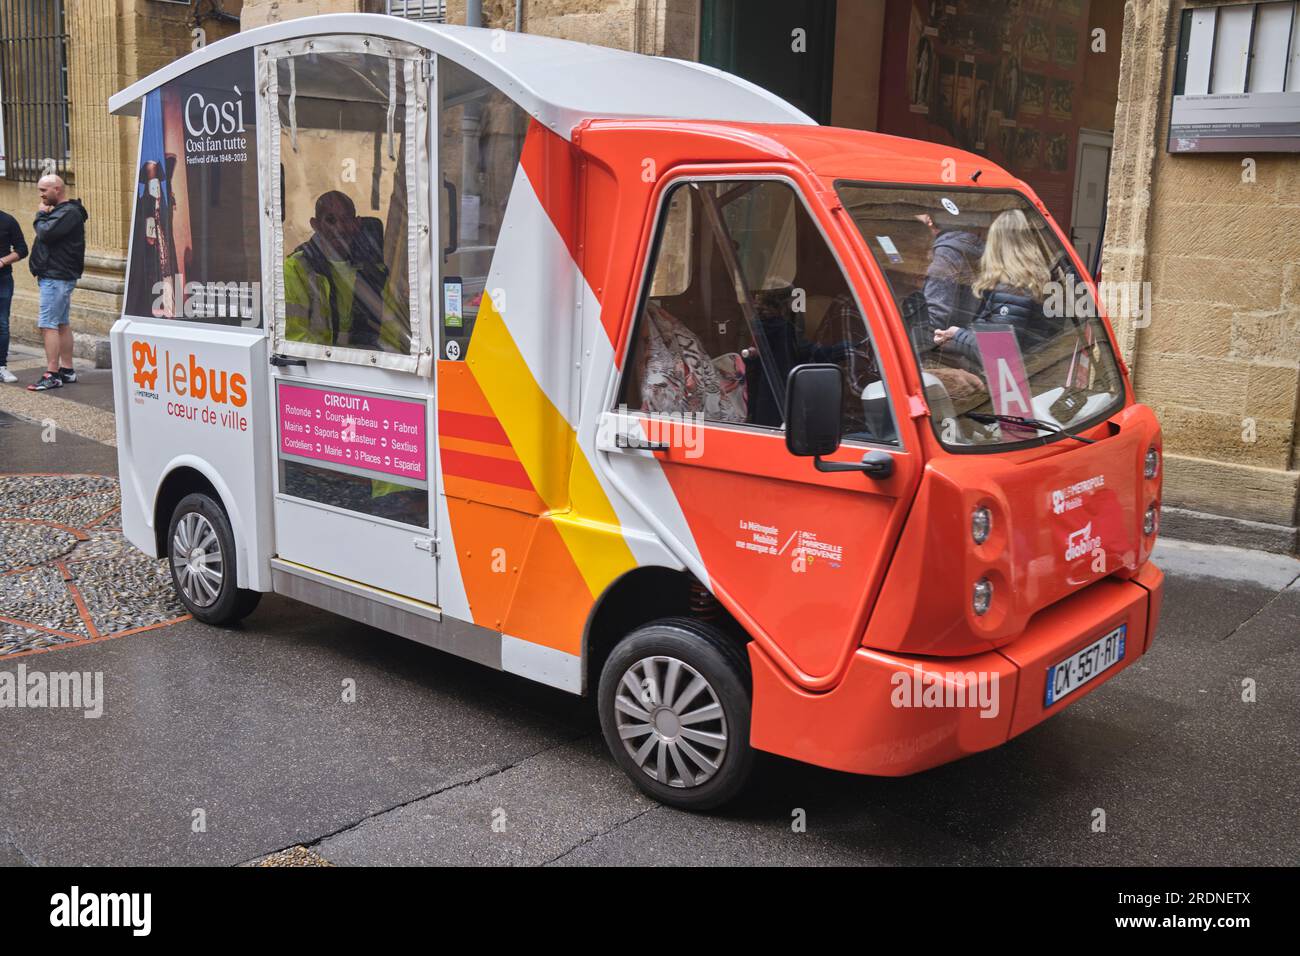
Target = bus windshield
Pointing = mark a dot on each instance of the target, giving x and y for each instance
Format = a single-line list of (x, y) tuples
[(1003, 327)]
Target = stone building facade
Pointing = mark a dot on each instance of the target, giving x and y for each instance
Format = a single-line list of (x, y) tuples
[(109, 45), (1218, 354), (1215, 235)]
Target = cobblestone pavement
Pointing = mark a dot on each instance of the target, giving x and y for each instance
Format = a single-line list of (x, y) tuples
[(67, 576)]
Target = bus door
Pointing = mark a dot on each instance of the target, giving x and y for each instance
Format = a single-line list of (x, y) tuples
[(345, 187)]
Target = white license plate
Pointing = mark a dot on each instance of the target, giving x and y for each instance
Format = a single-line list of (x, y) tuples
[(1085, 665)]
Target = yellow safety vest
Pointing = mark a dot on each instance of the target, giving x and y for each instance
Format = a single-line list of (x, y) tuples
[(307, 318), (307, 297)]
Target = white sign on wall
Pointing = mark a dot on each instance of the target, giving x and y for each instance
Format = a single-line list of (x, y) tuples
[(1238, 82)]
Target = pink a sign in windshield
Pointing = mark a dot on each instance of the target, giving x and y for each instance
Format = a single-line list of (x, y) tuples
[(353, 430), (1004, 367)]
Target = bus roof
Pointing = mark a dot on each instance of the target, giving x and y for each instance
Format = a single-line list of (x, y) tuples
[(559, 82)]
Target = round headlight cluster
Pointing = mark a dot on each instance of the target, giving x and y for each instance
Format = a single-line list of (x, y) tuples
[(981, 522), (1151, 465), (983, 596)]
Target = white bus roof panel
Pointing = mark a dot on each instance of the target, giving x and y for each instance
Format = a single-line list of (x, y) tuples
[(559, 82)]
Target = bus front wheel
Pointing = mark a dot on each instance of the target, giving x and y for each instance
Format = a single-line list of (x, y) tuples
[(674, 703)]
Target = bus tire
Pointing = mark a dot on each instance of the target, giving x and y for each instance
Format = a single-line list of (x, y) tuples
[(201, 555), (674, 704)]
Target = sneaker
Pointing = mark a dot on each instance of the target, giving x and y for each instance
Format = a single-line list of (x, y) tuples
[(47, 381), (69, 375), (7, 376)]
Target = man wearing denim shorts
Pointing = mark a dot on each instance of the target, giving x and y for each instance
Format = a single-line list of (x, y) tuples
[(57, 260)]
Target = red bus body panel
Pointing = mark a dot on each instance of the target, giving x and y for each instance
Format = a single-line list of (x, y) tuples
[(824, 669)]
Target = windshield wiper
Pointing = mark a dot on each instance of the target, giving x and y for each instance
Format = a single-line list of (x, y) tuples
[(985, 418)]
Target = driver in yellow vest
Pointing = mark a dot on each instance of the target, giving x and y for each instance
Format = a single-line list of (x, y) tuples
[(336, 291), (336, 285)]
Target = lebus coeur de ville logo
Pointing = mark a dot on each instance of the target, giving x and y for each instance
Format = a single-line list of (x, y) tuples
[(187, 377)]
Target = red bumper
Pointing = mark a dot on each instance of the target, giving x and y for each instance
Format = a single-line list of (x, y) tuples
[(893, 715)]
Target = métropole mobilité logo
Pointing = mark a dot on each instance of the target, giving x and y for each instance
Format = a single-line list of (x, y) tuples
[(188, 377)]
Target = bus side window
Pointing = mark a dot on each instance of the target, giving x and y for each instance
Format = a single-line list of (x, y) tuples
[(480, 139), (345, 271), (743, 288), (685, 357)]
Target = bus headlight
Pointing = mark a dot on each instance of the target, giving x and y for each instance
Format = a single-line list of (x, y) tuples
[(1151, 520), (983, 596), (981, 522), (1151, 466)]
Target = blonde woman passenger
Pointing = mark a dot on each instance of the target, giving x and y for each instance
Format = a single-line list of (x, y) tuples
[(1012, 285)]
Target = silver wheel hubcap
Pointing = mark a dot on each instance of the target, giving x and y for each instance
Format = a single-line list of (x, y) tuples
[(197, 560), (671, 722)]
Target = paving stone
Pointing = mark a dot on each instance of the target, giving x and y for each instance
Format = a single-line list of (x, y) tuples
[(15, 639), (121, 588), (25, 545), (75, 512), (40, 596), (126, 590), (17, 492)]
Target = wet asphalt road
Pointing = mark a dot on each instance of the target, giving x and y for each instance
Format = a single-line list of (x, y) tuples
[(442, 761)]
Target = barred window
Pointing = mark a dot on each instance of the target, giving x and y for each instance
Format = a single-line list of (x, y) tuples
[(431, 11), (34, 138)]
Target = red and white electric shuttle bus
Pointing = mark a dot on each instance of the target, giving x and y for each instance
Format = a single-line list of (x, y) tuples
[(621, 374)]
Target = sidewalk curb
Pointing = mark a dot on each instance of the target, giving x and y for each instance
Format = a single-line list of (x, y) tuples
[(42, 408), (1200, 526), (85, 345), (1223, 562)]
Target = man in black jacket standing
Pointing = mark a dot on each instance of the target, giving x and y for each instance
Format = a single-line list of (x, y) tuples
[(12, 248), (58, 258)]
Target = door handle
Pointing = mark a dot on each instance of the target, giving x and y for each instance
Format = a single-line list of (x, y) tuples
[(651, 449), (283, 361), (453, 220)]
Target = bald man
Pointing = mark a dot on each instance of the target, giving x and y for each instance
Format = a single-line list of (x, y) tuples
[(57, 260)]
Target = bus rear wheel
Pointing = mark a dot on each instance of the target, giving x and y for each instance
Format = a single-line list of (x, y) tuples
[(674, 703), (201, 553)]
